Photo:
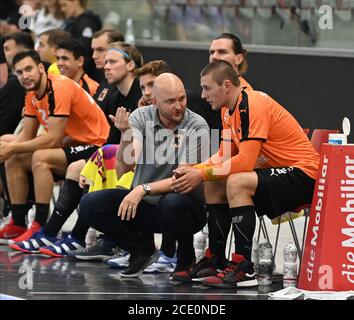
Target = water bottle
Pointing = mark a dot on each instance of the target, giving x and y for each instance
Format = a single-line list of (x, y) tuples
[(156, 30), (255, 256), (129, 31), (290, 265), (200, 244), (265, 265)]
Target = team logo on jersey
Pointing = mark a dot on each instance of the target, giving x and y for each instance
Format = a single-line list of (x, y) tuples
[(102, 94), (244, 110)]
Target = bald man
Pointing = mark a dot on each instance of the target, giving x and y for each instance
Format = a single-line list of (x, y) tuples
[(155, 140)]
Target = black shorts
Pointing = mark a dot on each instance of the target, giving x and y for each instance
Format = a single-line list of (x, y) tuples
[(282, 189), (74, 154)]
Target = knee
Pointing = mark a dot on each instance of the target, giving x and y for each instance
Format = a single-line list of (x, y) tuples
[(74, 169), (236, 185), (7, 138), (215, 192), (171, 204), (39, 159), (12, 163)]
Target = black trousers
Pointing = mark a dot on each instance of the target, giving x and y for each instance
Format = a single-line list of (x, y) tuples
[(179, 215)]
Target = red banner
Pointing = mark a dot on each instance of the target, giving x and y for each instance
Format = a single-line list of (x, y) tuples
[(328, 259)]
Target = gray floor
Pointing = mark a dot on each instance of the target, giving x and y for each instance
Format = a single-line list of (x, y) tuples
[(38, 277)]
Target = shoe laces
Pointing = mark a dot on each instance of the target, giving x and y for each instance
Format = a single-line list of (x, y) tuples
[(62, 240), (230, 268)]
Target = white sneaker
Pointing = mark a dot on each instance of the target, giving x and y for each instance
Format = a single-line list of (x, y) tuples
[(164, 264), (120, 260)]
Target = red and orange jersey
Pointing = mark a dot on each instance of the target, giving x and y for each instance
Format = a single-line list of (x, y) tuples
[(86, 124), (88, 84), (259, 117), (244, 84)]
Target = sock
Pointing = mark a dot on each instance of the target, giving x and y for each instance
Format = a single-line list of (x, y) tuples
[(68, 200), (42, 210), (219, 223), (168, 245), (7, 205), (244, 223), (19, 212)]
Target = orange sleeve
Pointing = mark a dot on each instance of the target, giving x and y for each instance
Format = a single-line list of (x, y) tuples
[(244, 161), (63, 99), (30, 111), (227, 149)]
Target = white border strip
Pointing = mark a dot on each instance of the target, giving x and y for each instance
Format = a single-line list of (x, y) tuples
[(8, 297)]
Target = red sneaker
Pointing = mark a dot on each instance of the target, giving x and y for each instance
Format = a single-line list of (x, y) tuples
[(239, 273), (26, 235), (205, 267), (10, 231)]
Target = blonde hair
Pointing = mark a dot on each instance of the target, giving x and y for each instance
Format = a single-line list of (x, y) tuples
[(131, 52)]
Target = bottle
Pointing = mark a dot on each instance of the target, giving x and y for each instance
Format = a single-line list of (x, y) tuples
[(156, 30), (200, 244), (290, 265), (129, 31), (255, 256), (265, 266)]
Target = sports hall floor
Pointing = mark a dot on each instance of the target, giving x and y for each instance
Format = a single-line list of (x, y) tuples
[(38, 277)]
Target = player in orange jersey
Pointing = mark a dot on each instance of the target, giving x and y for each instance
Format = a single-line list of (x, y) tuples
[(265, 164), (75, 127), (70, 59)]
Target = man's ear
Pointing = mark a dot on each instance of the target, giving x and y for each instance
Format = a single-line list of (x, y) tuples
[(239, 59), (226, 85), (41, 67), (81, 61), (131, 65), (153, 100)]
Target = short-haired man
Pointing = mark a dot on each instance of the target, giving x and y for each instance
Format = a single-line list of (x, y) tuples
[(70, 60), (226, 47), (66, 111), (127, 95), (48, 45), (149, 207), (265, 164)]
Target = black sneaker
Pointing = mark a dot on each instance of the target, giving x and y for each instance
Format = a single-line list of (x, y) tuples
[(138, 262), (205, 267), (99, 251)]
